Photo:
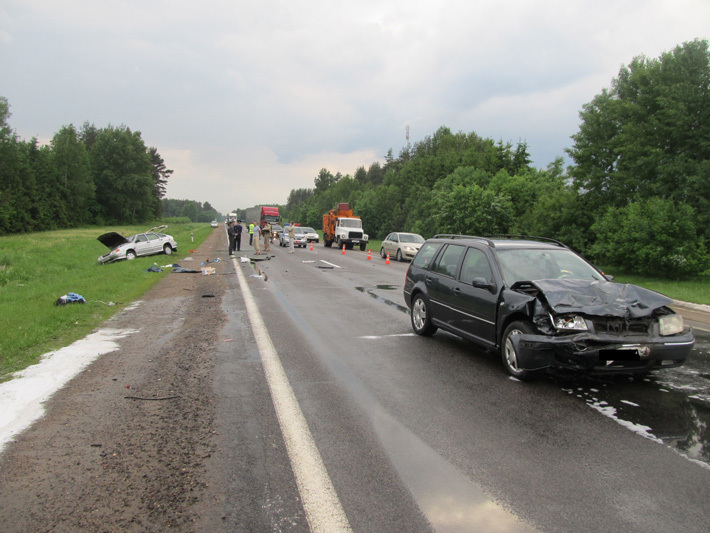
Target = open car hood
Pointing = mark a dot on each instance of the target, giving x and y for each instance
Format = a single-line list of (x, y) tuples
[(112, 239), (597, 298)]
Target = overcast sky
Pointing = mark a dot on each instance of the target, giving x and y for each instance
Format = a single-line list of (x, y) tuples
[(246, 101)]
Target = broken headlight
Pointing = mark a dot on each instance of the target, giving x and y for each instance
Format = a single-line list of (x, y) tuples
[(671, 324), (569, 323)]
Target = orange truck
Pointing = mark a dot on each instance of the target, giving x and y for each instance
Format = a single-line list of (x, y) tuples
[(341, 227)]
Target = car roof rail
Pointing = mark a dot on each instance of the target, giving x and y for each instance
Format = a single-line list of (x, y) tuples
[(529, 238), (456, 236)]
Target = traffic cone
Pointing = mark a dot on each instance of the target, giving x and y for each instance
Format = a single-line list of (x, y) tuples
[(311, 246), (343, 249), (388, 259), (369, 255)]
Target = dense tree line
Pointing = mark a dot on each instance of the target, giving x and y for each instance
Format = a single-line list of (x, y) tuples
[(90, 176), (637, 195), (195, 211)]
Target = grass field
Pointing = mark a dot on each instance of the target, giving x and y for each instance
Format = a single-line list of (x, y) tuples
[(37, 268)]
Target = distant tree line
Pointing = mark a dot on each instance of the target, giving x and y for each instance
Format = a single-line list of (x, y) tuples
[(88, 176), (636, 197), (195, 211)]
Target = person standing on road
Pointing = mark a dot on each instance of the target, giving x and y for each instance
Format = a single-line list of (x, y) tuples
[(291, 236), (251, 233), (267, 236), (238, 235), (231, 233), (256, 237)]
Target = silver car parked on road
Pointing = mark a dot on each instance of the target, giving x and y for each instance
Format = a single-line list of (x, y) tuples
[(401, 246)]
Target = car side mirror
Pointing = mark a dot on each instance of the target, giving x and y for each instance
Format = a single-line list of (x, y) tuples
[(609, 277), (482, 283)]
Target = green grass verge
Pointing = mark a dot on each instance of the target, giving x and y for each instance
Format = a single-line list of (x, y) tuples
[(695, 290), (38, 268)]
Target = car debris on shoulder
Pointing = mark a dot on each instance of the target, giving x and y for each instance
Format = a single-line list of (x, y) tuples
[(541, 306), (149, 243)]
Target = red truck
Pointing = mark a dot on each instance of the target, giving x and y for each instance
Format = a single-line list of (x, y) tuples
[(263, 214)]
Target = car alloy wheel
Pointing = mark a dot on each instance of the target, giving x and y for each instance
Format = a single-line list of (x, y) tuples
[(421, 319), (508, 353)]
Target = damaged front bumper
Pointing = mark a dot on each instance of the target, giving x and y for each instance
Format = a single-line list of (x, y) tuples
[(596, 354)]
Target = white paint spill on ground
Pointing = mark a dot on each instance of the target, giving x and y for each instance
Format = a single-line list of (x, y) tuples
[(609, 411), (22, 398)]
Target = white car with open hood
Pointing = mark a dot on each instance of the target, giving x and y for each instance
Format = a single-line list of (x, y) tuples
[(140, 244)]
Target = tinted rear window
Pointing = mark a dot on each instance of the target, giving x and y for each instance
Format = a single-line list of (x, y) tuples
[(448, 261), (426, 254)]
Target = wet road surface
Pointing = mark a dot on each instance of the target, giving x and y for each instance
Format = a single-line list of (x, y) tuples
[(553, 455)]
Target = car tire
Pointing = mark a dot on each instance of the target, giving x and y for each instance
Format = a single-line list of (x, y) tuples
[(130, 255), (363, 245), (168, 250), (382, 253), (421, 317), (399, 255), (508, 353)]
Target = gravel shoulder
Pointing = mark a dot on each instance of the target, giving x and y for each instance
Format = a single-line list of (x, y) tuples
[(124, 445)]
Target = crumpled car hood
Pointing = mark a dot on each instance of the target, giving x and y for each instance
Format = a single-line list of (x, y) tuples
[(600, 298), (112, 239)]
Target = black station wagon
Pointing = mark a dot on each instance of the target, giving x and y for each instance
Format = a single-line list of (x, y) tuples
[(541, 306)]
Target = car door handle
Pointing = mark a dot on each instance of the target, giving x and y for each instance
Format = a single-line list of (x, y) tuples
[(428, 280), (457, 291)]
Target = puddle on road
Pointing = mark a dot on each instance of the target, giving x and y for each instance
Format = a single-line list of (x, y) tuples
[(370, 291), (450, 500), (671, 407)]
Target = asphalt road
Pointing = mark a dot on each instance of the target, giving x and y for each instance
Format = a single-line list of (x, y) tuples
[(303, 401), (438, 418)]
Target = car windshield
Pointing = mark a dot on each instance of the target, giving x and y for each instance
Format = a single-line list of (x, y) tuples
[(413, 237), (532, 264), (307, 230), (350, 223)]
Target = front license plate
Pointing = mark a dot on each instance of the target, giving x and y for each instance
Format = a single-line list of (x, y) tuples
[(619, 355)]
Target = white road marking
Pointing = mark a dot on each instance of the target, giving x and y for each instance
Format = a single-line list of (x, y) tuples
[(320, 501), (331, 264)]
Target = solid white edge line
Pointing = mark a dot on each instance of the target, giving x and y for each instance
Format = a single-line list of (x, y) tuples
[(320, 501)]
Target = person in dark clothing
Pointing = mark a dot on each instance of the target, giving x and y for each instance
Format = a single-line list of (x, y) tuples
[(238, 235), (231, 233)]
